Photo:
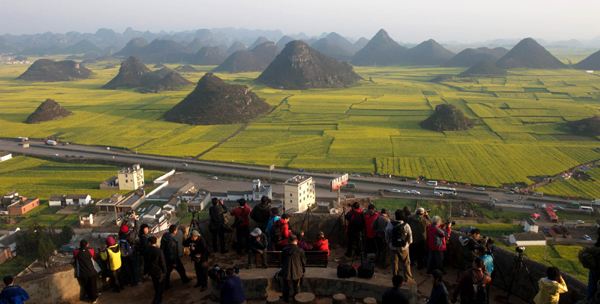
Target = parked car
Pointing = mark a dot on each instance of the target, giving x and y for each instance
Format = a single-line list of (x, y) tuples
[(480, 188), (405, 191), (415, 181), (510, 192), (415, 192), (580, 222), (587, 237), (215, 177)]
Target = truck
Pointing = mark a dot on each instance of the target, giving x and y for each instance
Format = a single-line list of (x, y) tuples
[(51, 142), (21, 139), (573, 205)]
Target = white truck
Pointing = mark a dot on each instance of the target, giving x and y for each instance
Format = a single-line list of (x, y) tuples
[(51, 142)]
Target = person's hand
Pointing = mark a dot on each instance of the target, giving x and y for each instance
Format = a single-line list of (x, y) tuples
[(449, 224), (174, 265), (260, 252)]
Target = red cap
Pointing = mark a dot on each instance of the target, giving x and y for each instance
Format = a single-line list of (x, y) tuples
[(110, 241), (124, 228)]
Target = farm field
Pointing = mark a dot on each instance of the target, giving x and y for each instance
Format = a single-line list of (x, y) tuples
[(33, 177), (584, 188), (370, 127)]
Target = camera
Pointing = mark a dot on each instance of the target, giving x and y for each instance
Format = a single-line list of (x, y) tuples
[(427, 210), (129, 212), (448, 222), (520, 249)]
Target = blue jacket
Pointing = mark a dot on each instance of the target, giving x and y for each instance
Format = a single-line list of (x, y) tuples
[(232, 290), (489, 263), (272, 220), (13, 295), (439, 294)]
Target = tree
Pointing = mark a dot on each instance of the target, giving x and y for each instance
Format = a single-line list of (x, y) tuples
[(45, 249), (35, 243)]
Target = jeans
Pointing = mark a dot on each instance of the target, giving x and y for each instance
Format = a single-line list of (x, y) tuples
[(201, 272), (242, 234), (418, 254), (159, 287), (353, 242), (592, 288), (114, 280), (382, 252), (136, 268), (287, 284), (180, 269), (398, 257), (270, 244), (90, 287), (251, 255), (220, 235), (126, 274), (435, 261)]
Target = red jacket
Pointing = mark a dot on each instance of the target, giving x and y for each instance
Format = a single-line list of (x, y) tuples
[(90, 250), (285, 232), (244, 213), (321, 245), (370, 216), (436, 237)]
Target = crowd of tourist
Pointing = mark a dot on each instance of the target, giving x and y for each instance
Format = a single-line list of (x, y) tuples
[(404, 241)]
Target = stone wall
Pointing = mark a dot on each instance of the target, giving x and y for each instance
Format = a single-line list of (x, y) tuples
[(523, 286), (56, 285)]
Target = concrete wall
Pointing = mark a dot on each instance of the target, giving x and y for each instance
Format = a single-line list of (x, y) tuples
[(57, 285), (522, 286)]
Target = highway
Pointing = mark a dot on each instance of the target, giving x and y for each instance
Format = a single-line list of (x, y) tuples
[(363, 183)]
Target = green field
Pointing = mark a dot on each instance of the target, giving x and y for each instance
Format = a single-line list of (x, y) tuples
[(589, 189), (371, 127)]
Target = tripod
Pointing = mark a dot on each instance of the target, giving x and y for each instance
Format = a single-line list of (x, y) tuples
[(195, 224), (338, 224), (306, 219), (359, 246), (519, 264)]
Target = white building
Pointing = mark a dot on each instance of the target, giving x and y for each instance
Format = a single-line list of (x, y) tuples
[(56, 200), (528, 239), (131, 178), (86, 220), (259, 190), (155, 212), (5, 156), (78, 199), (299, 193), (531, 225)]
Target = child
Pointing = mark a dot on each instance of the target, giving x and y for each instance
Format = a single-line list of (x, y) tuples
[(322, 244), (551, 287), (301, 241)]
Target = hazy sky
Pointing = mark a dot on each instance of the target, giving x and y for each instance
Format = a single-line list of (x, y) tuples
[(406, 21)]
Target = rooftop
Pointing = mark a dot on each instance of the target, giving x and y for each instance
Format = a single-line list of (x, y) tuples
[(2, 154), (529, 236), (111, 180), (131, 200), (531, 221), (77, 196), (298, 179), (57, 197)]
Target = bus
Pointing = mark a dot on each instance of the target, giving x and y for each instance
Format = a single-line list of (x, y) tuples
[(444, 190), (573, 205)]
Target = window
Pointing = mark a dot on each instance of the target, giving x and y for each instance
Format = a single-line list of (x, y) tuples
[(290, 201), (290, 195), (126, 181)]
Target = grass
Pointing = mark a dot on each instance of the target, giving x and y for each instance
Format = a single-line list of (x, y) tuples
[(15, 265), (587, 189), (371, 127)]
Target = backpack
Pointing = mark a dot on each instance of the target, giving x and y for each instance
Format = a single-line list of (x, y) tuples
[(357, 223), (477, 293), (589, 257), (125, 248), (399, 235), (275, 232)]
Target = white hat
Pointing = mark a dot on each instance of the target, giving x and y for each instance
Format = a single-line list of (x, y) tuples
[(256, 232)]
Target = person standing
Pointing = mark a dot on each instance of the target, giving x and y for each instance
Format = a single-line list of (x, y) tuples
[(199, 255), (232, 289), (11, 293), (280, 232), (217, 221), (180, 237), (383, 250), (258, 246), (354, 228), (436, 238), (294, 264), (241, 214), (274, 218), (261, 213), (439, 293), (87, 274), (407, 213), (470, 244), (141, 245), (168, 244), (127, 239), (468, 281), (156, 267), (370, 216), (395, 295), (112, 256), (550, 287), (594, 275), (399, 238), (322, 244), (418, 249)]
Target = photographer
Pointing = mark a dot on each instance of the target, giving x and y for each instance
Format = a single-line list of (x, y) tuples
[(418, 249), (169, 246), (217, 223), (241, 224), (355, 226), (274, 218), (155, 266), (261, 213), (470, 243), (199, 255), (469, 282), (550, 287), (131, 261), (437, 233), (370, 216), (379, 226)]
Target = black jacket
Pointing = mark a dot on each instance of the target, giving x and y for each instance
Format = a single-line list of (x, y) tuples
[(216, 215), (394, 296), (130, 235), (168, 245), (261, 213), (255, 245), (293, 261), (86, 266), (142, 243), (197, 247), (154, 262)]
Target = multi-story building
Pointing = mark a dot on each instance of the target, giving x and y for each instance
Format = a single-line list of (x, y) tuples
[(23, 205), (131, 178), (299, 193)]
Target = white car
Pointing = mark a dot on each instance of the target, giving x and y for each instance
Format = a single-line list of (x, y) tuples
[(587, 237), (580, 222), (438, 194), (415, 181), (184, 164), (480, 189), (395, 190), (355, 175), (405, 191), (107, 148), (55, 154), (415, 192), (215, 177)]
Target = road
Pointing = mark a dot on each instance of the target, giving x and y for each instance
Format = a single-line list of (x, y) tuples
[(363, 183)]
